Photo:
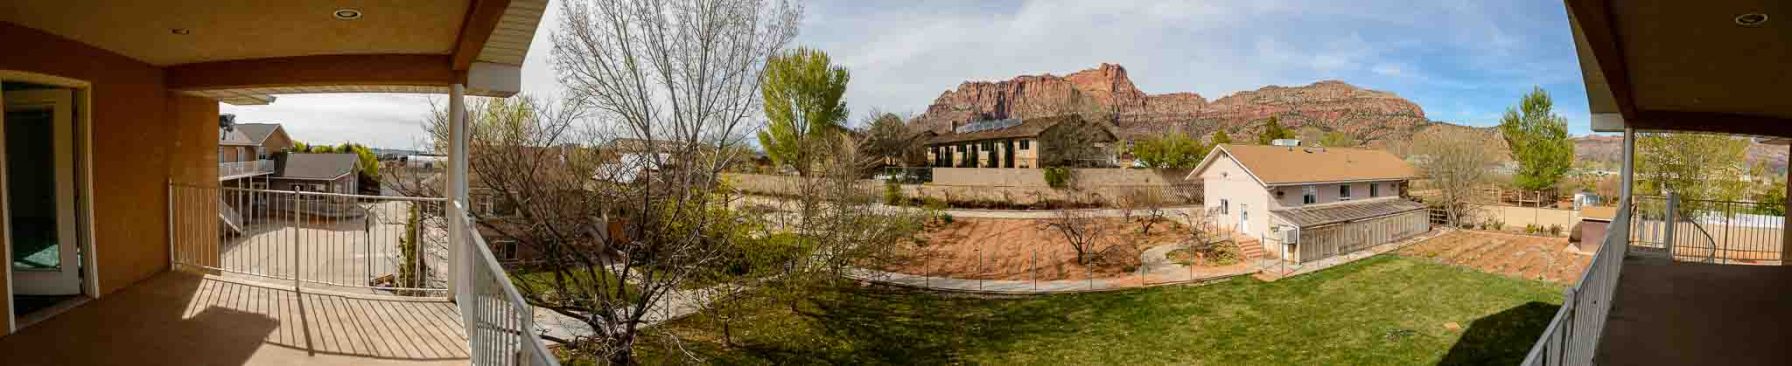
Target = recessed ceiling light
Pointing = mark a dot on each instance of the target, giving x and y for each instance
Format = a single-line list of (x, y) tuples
[(180, 31), (346, 14), (1751, 19)]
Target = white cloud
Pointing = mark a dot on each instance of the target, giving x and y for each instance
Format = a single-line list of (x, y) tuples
[(1481, 55)]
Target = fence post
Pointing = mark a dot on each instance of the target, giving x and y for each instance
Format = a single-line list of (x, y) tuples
[(1669, 223), (171, 253), (298, 224)]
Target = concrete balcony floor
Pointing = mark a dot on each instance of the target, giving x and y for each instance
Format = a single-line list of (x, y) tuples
[(180, 318), (1684, 313)]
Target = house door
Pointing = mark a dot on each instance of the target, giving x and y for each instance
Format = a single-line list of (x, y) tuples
[(39, 190), (1244, 219)]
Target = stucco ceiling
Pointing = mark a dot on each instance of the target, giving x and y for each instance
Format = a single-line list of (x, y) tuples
[(1692, 56), (236, 30)]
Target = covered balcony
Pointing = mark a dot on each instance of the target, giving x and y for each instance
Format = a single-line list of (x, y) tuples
[(243, 169), (126, 249), (1679, 281)]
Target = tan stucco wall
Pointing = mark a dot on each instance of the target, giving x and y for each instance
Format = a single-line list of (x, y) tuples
[(1084, 178), (1228, 181), (1328, 193), (1023, 158), (1515, 218), (133, 141)]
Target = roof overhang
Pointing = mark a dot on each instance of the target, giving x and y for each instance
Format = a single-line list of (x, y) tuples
[(243, 52), (1684, 66)]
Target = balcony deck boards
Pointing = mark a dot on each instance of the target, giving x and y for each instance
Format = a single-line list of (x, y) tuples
[(190, 319), (1685, 313)]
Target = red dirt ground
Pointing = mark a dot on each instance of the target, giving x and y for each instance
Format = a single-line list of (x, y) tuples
[(1526, 256), (1004, 249)]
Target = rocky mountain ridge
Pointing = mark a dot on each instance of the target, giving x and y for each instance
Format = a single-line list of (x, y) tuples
[(1107, 92)]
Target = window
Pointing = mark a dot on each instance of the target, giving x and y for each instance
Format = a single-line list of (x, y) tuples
[(1225, 207), (1309, 195), (1343, 192), (506, 249), (1024, 144), (1374, 190)]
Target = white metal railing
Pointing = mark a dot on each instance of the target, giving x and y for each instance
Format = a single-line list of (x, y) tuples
[(1572, 337), (232, 169), (500, 325), (387, 244)]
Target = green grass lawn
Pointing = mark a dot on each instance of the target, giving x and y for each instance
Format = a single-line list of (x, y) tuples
[(1381, 310)]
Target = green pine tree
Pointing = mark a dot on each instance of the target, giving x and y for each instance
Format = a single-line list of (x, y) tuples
[(1539, 141)]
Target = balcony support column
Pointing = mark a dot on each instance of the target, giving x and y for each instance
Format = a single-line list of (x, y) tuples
[(457, 192), (1785, 234), (1627, 172)]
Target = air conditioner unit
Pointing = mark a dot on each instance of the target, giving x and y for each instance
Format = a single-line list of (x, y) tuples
[(1289, 234)]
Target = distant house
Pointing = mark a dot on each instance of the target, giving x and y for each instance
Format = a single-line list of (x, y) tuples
[(1023, 143), (334, 173), (246, 150), (1319, 202)]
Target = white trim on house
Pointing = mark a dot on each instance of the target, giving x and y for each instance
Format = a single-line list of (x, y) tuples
[(1208, 161)]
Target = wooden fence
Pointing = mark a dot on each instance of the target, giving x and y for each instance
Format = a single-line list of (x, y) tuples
[(1331, 240)]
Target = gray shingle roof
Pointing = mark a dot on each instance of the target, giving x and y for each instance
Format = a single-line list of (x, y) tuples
[(317, 166), (233, 137), (1311, 216), (257, 132), (1030, 127)]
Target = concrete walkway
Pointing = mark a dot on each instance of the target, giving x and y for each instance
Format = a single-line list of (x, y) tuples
[(672, 306), (1173, 213), (1155, 269)]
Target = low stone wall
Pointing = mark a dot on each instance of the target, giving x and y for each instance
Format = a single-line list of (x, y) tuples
[(1103, 189), (1515, 218), (1085, 178)]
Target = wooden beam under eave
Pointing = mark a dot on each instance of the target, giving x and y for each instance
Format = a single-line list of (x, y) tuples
[(313, 71), (1726, 123), (482, 19), (1598, 26)]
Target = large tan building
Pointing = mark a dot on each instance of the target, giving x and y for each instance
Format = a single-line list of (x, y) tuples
[(1272, 192), (1027, 143)]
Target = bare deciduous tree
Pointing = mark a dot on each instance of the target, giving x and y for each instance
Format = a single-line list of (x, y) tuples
[(618, 229), (1081, 231), (1458, 163), (1146, 203)]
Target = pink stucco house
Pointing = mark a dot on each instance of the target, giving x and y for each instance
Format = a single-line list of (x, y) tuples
[(1309, 203)]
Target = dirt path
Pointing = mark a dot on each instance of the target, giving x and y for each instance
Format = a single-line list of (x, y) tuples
[(1526, 256), (1019, 249)]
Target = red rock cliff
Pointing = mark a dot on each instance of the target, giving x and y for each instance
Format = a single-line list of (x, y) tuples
[(1107, 90)]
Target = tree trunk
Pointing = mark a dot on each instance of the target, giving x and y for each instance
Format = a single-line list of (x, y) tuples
[(622, 350)]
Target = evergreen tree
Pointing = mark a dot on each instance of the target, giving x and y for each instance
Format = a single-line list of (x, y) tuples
[(1220, 138), (1539, 141), (1272, 131)]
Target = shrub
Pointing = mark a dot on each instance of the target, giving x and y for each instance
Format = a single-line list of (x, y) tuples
[(1057, 177), (1555, 230), (945, 217), (1226, 253), (1530, 228), (892, 194), (932, 203)]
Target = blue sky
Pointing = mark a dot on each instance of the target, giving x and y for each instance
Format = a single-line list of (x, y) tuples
[(1462, 61)]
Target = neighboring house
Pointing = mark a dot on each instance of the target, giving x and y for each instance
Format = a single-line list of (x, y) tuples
[(121, 103), (1014, 143), (1329, 200), (333, 173), (246, 151)]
